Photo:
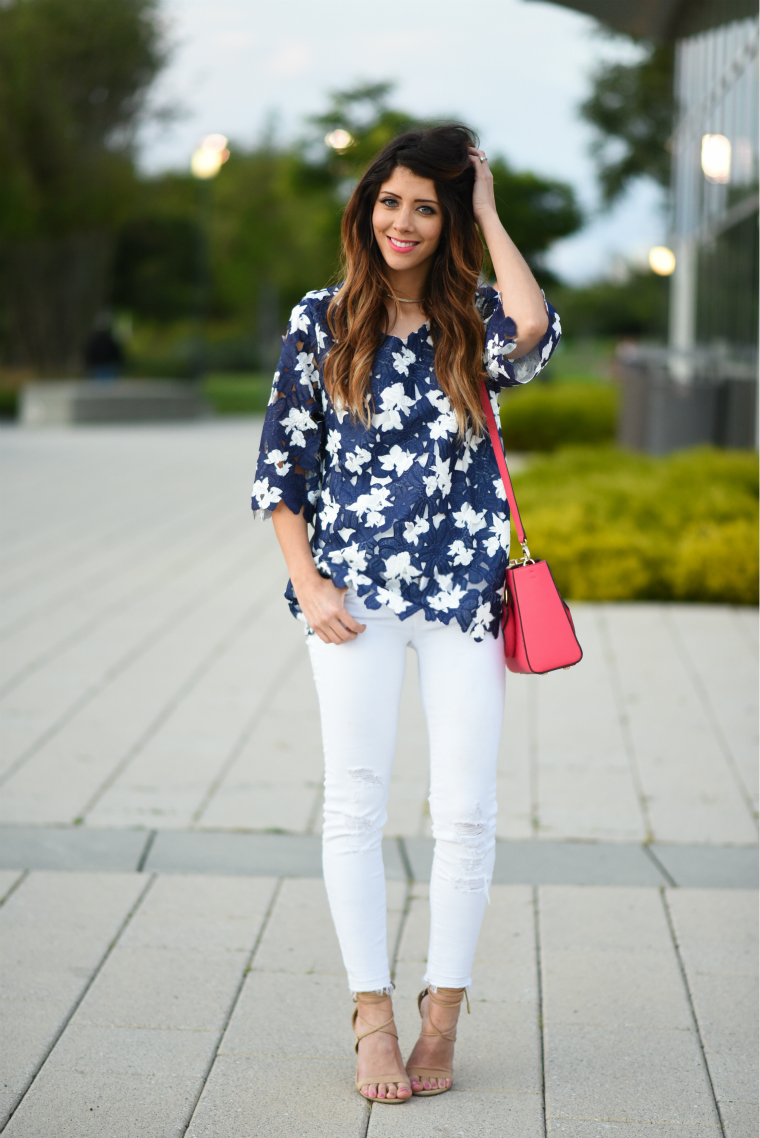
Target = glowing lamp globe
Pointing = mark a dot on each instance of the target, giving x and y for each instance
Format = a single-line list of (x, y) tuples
[(662, 260), (208, 159), (339, 140), (716, 158)]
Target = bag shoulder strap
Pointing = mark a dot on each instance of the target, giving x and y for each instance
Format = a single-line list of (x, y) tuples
[(501, 462)]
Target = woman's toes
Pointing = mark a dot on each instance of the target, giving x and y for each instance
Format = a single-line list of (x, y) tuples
[(370, 1090), (382, 1090)]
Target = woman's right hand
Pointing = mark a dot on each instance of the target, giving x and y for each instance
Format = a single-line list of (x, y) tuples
[(321, 603), (323, 606)]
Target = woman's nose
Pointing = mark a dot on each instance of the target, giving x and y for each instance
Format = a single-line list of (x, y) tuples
[(404, 219)]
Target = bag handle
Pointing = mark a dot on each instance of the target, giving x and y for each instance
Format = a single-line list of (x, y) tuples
[(501, 462)]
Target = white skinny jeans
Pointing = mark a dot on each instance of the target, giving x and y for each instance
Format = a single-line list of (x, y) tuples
[(359, 687)]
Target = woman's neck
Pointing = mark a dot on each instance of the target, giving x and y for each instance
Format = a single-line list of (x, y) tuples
[(408, 289), (409, 284), (403, 318)]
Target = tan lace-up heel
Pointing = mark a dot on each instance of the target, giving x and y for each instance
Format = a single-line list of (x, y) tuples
[(400, 1077), (440, 1073)]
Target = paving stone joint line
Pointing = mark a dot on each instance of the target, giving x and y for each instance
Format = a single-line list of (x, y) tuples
[(78, 1002), (539, 1001), (717, 730), (613, 671), (244, 736), (176, 700), (692, 1009), (233, 1004)]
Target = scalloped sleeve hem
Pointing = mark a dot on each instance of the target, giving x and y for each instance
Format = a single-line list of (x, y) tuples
[(501, 369)]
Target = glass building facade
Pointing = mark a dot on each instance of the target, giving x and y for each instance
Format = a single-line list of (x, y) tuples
[(703, 386), (715, 192)]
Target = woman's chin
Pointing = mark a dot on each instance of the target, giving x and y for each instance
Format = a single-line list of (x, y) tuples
[(400, 262)]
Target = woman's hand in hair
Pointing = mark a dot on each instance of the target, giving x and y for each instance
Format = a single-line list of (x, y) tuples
[(521, 297), (323, 606), (483, 200)]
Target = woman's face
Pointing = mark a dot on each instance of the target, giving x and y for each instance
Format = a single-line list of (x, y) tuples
[(407, 220)]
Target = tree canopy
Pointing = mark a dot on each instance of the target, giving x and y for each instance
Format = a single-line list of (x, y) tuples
[(74, 77), (73, 81), (272, 219), (631, 107), (80, 228)]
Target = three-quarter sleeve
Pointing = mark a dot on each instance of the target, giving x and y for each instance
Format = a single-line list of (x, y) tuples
[(501, 332), (290, 453)]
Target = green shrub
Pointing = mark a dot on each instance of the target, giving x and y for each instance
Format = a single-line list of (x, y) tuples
[(637, 306), (621, 526), (545, 416), (238, 394)]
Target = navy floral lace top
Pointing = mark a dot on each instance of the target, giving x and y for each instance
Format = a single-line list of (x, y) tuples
[(404, 512)]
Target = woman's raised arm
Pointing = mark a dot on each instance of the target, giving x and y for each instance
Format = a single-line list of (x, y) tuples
[(520, 295)]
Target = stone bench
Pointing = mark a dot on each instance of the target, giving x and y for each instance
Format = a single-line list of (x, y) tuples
[(62, 402)]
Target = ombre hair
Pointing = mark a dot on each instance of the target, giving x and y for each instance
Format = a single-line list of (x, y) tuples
[(357, 315)]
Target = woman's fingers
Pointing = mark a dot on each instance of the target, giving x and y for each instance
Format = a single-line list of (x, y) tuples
[(483, 200), (338, 629), (345, 618), (327, 615)]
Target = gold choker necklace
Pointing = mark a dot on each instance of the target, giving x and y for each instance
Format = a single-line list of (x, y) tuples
[(401, 300)]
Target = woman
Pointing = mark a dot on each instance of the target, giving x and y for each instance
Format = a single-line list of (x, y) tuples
[(375, 435)]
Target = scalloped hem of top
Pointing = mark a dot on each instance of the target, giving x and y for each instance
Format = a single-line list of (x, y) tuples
[(431, 616), (262, 515)]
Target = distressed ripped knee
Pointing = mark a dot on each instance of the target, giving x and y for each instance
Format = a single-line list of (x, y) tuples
[(467, 854), (365, 775), (356, 827)]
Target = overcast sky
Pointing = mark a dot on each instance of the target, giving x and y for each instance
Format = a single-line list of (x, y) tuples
[(515, 70)]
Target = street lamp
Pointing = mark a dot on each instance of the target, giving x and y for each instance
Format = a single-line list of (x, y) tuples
[(716, 158), (210, 156), (339, 140), (662, 260)]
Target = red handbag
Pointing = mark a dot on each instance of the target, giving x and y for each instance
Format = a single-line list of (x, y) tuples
[(539, 634)]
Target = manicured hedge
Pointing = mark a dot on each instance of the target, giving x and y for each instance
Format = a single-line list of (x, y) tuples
[(621, 526), (545, 416)]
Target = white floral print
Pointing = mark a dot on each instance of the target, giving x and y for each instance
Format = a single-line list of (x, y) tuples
[(405, 511), (402, 359)]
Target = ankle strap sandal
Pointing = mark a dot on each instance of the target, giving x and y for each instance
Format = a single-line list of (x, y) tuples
[(439, 1073), (400, 1077)]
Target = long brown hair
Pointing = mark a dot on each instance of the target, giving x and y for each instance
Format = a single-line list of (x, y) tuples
[(357, 314)]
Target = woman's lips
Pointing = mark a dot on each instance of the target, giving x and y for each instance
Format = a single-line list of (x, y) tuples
[(406, 247)]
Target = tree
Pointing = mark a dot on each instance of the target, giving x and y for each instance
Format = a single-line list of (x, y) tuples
[(364, 112), (535, 212), (637, 306), (73, 82), (632, 107), (272, 223)]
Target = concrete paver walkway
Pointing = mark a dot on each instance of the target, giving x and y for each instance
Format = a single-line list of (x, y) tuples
[(169, 962)]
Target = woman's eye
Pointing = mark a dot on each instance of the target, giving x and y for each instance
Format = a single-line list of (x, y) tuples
[(426, 209), (388, 201)]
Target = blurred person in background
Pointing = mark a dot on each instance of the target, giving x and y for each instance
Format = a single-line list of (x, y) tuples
[(103, 354), (375, 435)]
